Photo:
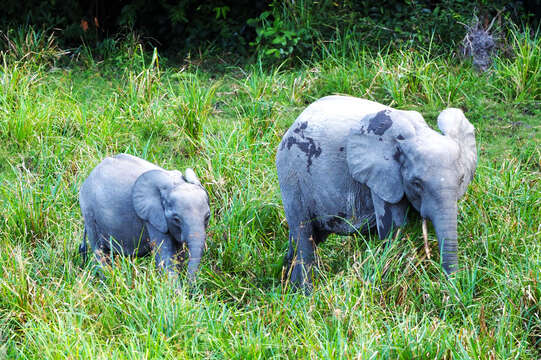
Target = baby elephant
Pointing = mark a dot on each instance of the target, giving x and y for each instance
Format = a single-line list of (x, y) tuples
[(349, 164), (130, 206)]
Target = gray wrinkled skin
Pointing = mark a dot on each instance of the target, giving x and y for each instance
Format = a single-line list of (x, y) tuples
[(131, 206), (349, 164)]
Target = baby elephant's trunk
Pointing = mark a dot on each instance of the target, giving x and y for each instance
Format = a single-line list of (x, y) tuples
[(196, 245)]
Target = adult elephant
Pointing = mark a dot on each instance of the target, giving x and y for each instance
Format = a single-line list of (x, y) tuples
[(349, 164)]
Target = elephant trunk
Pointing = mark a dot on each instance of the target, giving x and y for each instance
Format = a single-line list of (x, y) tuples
[(196, 245), (445, 225)]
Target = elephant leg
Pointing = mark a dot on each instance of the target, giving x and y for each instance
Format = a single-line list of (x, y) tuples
[(389, 217), (166, 249), (99, 247), (300, 255), (289, 255), (102, 256), (83, 250), (303, 242)]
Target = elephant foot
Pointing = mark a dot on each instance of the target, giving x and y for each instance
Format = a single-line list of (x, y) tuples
[(301, 280), (305, 288)]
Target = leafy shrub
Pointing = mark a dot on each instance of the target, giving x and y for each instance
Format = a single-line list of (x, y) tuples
[(275, 30), (281, 34), (299, 28)]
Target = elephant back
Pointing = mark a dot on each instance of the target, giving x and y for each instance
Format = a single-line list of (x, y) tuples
[(321, 130), (120, 171), (113, 178)]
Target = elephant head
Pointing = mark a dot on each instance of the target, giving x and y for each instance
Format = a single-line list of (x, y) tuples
[(396, 154), (177, 205)]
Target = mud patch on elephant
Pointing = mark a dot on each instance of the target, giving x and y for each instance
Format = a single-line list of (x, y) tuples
[(380, 123), (306, 144), (300, 128)]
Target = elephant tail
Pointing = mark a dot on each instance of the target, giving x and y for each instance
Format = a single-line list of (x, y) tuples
[(83, 248)]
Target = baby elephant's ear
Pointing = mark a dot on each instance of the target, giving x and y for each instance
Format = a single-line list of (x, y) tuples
[(373, 152), (190, 177), (147, 196), (176, 176)]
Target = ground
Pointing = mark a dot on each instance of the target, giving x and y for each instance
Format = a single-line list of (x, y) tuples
[(369, 300)]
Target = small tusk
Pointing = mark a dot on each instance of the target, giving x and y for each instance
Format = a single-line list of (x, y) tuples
[(425, 238)]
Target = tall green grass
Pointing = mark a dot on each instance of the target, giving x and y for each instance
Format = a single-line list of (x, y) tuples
[(370, 300)]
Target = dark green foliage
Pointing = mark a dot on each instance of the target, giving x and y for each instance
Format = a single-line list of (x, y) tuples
[(297, 29), (276, 30), (189, 24), (176, 25)]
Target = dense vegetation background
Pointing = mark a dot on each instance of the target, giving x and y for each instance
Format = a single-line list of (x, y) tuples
[(275, 29), (214, 85)]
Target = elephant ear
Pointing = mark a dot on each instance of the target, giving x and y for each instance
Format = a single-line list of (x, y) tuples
[(373, 151), (148, 192), (454, 124), (189, 176)]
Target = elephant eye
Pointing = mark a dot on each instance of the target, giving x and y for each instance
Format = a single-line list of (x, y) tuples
[(177, 220), (417, 184)]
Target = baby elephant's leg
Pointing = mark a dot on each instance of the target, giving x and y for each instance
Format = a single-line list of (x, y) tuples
[(99, 245), (166, 250)]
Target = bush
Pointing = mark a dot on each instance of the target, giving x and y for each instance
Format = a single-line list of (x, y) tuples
[(292, 29), (274, 30)]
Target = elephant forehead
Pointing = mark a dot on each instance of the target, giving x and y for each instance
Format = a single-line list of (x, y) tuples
[(438, 149), (189, 195)]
